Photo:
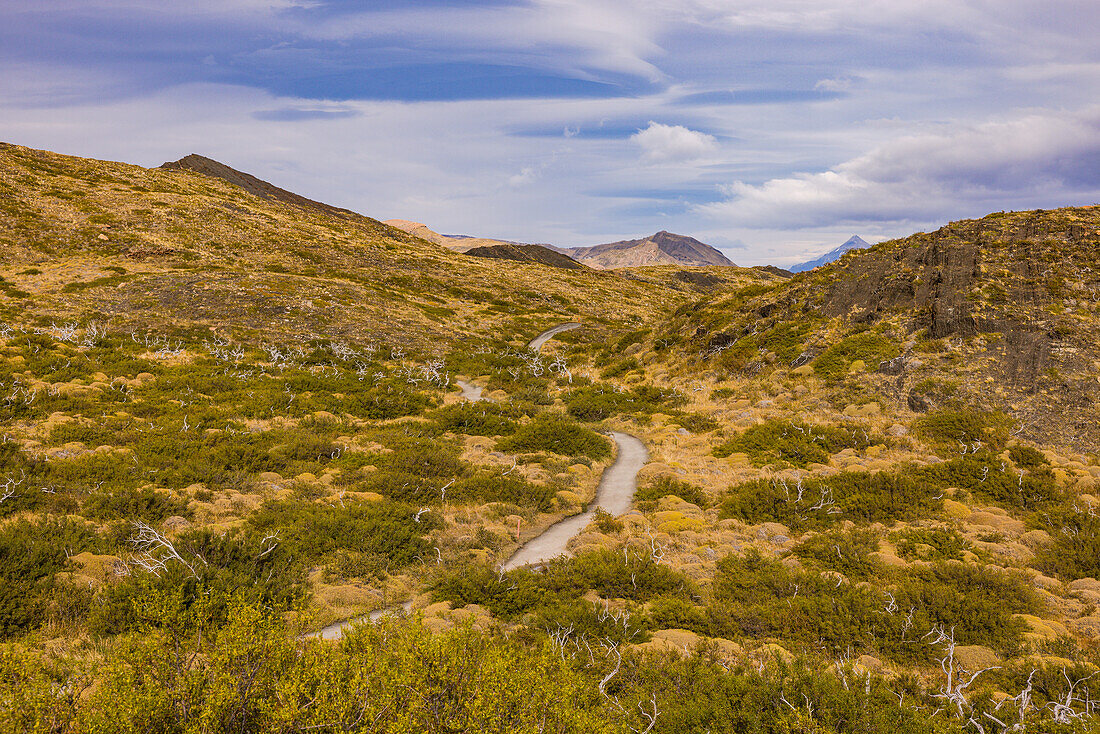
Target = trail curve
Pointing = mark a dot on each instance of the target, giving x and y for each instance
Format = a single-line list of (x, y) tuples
[(614, 495), (535, 345)]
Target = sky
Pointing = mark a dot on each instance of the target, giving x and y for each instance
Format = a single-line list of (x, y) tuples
[(772, 129)]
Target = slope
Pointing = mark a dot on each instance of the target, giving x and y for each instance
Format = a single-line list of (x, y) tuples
[(81, 238), (999, 312)]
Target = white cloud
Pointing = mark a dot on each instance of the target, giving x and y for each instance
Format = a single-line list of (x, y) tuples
[(1038, 159), (673, 143)]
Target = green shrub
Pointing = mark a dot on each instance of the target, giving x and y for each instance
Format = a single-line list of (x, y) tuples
[(31, 552), (845, 551), (930, 544), (664, 485), (793, 442), (484, 488), (146, 504), (557, 435), (1026, 457), (476, 419), (986, 476), (974, 429), (599, 401), (314, 532), (870, 347), (623, 366), (817, 502), (1075, 551)]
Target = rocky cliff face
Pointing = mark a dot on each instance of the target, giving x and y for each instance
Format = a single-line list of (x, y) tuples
[(1004, 310)]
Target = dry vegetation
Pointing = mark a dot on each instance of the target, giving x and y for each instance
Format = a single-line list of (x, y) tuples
[(228, 421)]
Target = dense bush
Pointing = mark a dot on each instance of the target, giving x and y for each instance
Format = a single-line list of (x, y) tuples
[(844, 551), (146, 504), (665, 485), (557, 435), (1027, 457), (312, 531), (599, 401), (793, 442), (930, 544), (816, 502), (987, 476), (1075, 552), (969, 428), (31, 552), (561, 584), (483, 488), (477, 419), (868, 347)]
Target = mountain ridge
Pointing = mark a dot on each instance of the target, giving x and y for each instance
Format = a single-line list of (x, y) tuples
[(661, 248)]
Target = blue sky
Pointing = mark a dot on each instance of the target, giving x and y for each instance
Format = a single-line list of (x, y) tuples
[(773, 129)]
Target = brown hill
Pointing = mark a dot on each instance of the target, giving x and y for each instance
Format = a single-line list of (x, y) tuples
[(248, 182), (526, 253), (662, 248), (458, 243)]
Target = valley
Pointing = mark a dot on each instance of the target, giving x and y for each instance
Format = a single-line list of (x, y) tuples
[(629, 495)]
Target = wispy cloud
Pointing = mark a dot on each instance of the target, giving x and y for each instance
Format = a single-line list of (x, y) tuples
[(1038, 159)]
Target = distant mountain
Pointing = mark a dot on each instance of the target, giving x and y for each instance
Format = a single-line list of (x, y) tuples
[(526, 253), (854, 243), (663, 248), (456, 242)]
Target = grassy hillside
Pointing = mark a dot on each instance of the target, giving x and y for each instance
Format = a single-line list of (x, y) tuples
[(871, 502)]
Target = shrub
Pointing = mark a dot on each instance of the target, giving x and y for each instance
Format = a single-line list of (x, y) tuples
[(983, 475), (941, 544), (870, 347), (620, 368), (147, 504), (313, 532), (31, 552), (556, 434), (793, 442), (845, 551), (1027, 457), (483, 488), (973, 428), (821, 501), (476, 419), (599, 401), (662, 486), (1075, 552)]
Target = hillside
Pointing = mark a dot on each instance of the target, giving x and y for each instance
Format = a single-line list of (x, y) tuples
[(662, 248), (998, 311), (855, 242), (177, 249), (232, 421)]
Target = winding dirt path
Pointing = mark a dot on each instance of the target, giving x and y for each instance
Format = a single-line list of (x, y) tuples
[(336, 630), (535, 345), (615, 495), (470, 391)]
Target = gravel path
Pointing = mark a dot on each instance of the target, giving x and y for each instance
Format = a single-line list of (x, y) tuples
[(470, 391), (535, 345), (615, 495)]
